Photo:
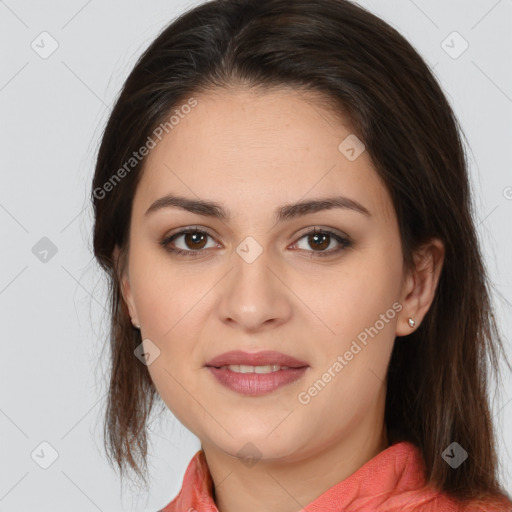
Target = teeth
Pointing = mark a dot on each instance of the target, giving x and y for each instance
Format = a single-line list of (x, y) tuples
[(243, 368)]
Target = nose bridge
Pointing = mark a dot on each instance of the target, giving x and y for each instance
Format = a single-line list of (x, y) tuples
[(253, 294)]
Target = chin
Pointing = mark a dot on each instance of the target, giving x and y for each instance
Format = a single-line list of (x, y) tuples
[(258, 445)]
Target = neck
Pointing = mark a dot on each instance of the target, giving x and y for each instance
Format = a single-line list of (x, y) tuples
[(288, 486)]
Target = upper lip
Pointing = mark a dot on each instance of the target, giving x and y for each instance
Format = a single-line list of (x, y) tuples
[(263, 358)]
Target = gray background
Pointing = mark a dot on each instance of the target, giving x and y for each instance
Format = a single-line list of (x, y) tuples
[(52, 304)]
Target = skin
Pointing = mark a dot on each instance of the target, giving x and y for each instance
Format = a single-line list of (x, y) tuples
[(253, 152)]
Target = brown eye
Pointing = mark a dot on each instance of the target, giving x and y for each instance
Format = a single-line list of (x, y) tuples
[(195, 240), (190, 242), (318, 241)]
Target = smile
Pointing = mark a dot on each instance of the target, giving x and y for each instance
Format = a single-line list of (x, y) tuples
[(244, 368), (256, 380)]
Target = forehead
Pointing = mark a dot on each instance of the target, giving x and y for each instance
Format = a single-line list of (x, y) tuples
[(244, 147)]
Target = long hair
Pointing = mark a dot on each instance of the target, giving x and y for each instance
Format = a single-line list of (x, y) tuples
[(363, 69)]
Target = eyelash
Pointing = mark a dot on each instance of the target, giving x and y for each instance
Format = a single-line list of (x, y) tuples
[(344, 242)]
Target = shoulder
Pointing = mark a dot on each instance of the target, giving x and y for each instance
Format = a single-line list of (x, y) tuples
[(429, 499), (435, 502)]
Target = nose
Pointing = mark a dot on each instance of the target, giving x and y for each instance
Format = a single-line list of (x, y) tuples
[(255, 295)]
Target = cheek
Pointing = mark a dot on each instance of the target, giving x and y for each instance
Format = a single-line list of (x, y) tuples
[(353, 296), (169, 309), (359, 305), (167, 294), (168, 303)]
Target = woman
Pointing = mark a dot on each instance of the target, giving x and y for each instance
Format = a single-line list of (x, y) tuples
[(283, 208)]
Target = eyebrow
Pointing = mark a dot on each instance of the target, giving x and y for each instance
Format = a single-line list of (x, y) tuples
[(282, 213)]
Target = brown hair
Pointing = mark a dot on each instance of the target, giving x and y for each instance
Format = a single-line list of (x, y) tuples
[(365, 70)]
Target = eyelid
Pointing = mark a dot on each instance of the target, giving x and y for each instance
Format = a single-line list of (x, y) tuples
[(323, 229), (187, 229), (342, 238), (300, 234), (166, 239)]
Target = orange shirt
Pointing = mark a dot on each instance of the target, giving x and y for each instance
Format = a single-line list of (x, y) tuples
[(391, 481)]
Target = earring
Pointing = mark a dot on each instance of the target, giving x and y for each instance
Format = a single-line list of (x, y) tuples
[(412, 323), (137, 326)]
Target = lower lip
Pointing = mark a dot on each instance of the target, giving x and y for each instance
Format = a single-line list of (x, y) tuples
[(255, 384)]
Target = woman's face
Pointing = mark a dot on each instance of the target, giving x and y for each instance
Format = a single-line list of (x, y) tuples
[(262, 281)]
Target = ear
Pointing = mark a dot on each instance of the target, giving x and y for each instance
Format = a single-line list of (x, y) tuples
[(125, 287), (419, 285)]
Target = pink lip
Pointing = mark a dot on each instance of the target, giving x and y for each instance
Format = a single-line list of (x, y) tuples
[(255, 359), (255, 384)]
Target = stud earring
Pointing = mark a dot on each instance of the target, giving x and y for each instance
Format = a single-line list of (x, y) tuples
[(412, 323)]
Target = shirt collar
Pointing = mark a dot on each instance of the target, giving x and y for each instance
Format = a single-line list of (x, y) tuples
[(393, 478)]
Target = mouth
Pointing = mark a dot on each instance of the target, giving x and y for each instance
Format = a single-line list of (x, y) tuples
[(255, 359), (246, 368), (256, 374)]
